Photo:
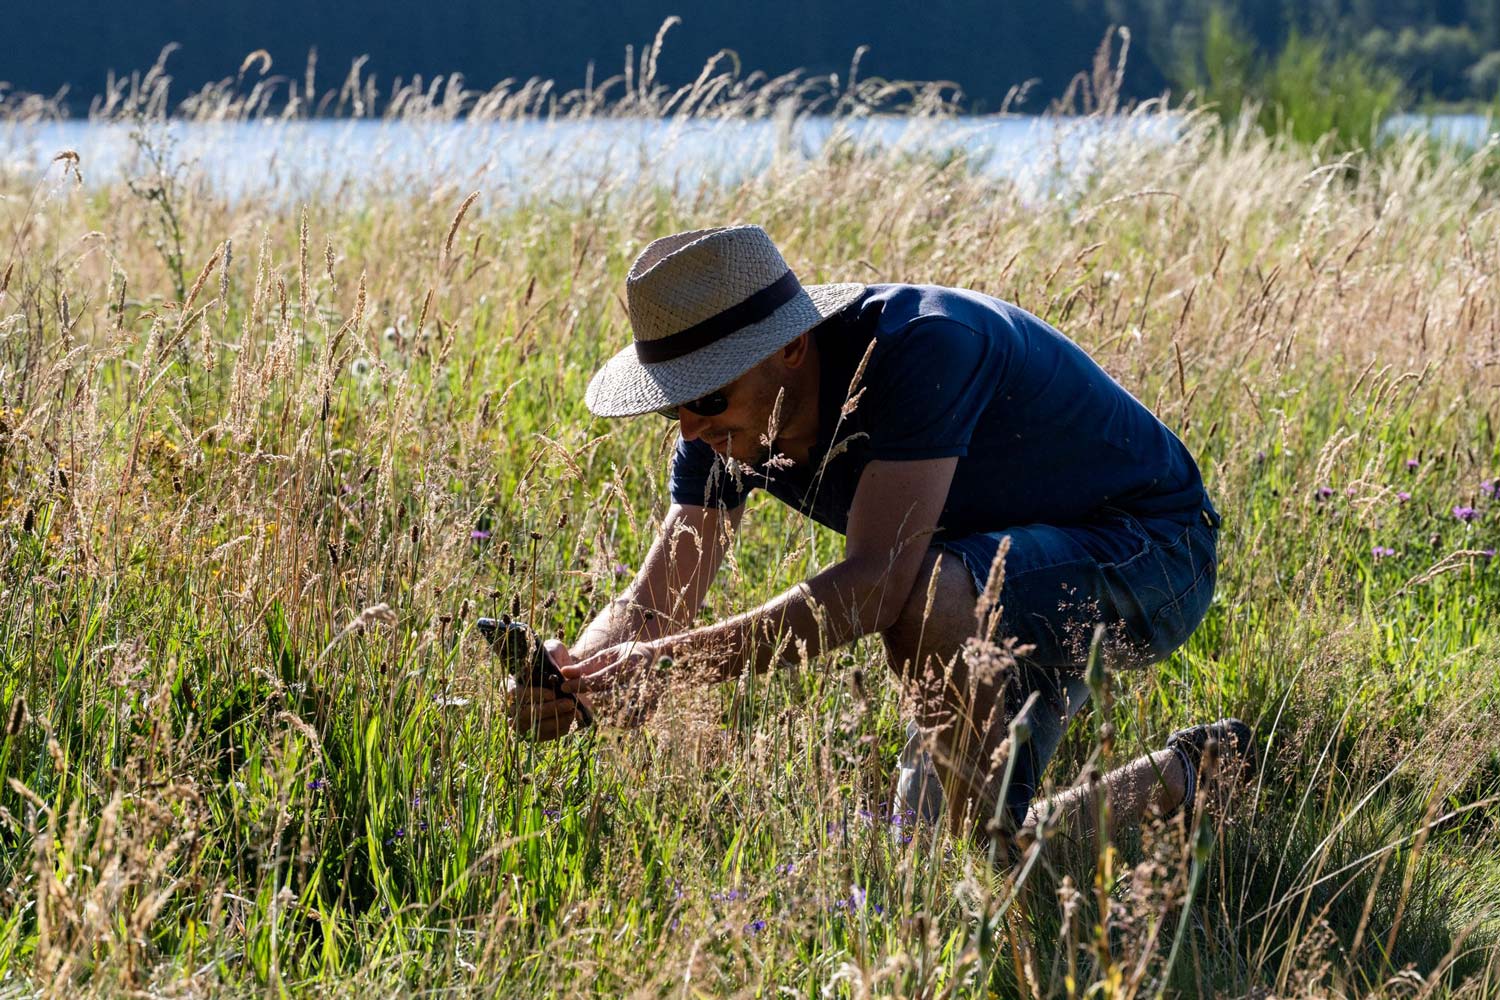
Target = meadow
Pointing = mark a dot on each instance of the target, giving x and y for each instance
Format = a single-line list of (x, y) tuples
[(262, 464)]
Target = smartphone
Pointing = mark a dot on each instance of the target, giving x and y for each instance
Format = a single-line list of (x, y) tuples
[(522, 652)]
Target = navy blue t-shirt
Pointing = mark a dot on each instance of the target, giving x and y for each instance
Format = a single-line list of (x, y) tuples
[(1042, 434)]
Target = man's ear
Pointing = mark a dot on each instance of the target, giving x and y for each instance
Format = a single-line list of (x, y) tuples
[(793, 354)]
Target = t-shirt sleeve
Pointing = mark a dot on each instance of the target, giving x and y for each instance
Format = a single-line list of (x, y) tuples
[(700, 478), (928, 388)]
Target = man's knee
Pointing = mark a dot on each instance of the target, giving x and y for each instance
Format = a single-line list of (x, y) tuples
[(936, 616)]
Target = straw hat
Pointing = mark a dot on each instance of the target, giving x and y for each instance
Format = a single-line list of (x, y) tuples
[(706, 307)]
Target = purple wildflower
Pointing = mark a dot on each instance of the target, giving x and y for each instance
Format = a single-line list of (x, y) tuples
[(1403, 496), (1489, 553), (756, 926), (856, 896), (621, 569), (785, 869), (479, 535), (1324, 492), (1465, 514), (1383, 552), (1350, 491), (317, 785), (1490, 489), (1412, 464), (551, 813), (422, 826), (1260, 455)]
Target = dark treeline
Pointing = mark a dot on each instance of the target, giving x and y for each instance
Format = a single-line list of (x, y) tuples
[(1443, 49)]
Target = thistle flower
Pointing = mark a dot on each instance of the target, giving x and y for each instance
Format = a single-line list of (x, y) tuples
[(1324, 492), (1403, 496), (1382, 552), (479, 535), (1412, 464), (1465, 514)]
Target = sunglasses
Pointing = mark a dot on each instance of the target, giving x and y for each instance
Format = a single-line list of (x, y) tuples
[(711, 405)]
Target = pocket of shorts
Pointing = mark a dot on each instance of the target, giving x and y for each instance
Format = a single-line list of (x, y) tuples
[(1174, 621)]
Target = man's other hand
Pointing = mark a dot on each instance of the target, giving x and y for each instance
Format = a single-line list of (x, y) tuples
[(624, 680), (543, 712)]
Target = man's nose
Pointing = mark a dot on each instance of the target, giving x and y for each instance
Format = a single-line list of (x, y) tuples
[(691, 424)]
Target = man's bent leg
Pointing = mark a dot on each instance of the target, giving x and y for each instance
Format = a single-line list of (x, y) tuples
[(965, 711), (965, 718), (923, 647)]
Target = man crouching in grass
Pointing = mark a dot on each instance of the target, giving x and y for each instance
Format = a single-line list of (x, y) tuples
[(930, 426)]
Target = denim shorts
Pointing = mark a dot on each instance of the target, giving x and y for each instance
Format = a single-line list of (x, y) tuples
[(1147, 580)]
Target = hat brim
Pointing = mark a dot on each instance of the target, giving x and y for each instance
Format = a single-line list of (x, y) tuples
[(625, 387)]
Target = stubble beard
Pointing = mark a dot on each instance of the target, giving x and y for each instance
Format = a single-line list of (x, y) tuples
[(767, 393)]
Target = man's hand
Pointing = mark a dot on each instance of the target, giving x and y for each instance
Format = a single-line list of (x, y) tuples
[(625, 679), (542, 712)]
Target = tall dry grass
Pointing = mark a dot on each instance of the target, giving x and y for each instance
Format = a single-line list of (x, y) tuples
[(261, 466)]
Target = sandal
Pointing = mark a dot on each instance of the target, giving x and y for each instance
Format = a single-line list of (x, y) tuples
[(1228, 742)]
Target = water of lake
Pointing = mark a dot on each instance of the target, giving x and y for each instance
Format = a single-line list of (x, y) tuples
[(306, 158), (301, 159)]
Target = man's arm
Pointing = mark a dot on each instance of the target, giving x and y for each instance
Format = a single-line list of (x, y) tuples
[(671, 584), (663, 598), (891, 523)]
